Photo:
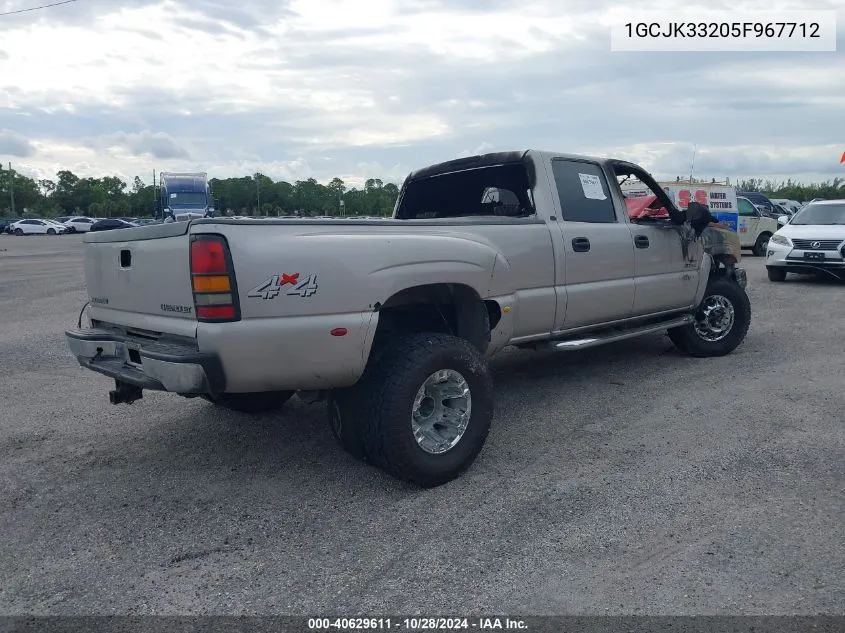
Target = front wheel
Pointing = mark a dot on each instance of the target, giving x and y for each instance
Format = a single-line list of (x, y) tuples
[(426, 408), (51, 231), (776, 274), (721, 321), (251, 402), (18, 232)]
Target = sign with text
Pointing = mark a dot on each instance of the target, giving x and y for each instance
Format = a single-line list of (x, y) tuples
[(721, 199)]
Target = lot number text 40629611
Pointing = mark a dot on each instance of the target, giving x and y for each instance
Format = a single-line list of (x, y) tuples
[(416, 624)]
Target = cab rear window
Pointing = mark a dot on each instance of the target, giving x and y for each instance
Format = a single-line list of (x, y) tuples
[(492, 191)]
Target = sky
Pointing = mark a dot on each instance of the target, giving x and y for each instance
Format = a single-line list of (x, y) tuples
[(375, 89)]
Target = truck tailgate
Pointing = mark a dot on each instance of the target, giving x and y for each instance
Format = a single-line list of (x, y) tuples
[(143, 270)]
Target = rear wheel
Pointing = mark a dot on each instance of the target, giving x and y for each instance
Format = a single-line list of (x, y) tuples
[(720, 324), (776, 274), (761, 245), (426, 408), (251, 402)]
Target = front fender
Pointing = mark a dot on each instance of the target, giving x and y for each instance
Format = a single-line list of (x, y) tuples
[(704, 271)]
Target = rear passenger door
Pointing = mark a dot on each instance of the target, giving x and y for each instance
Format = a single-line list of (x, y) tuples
[(598, 250)]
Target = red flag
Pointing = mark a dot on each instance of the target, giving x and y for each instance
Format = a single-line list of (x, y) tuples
[(842, 160)]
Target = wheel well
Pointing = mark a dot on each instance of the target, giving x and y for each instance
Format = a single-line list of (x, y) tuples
[(723, 265), (444, 308)]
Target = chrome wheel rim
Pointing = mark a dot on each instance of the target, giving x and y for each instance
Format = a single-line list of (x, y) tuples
[(715, 318), (441, 411)]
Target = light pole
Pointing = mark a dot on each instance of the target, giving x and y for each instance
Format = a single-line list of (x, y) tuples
[(12, 188)]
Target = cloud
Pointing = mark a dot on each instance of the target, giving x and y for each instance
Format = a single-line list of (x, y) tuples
[(325, 87), (13, 144), (156, 145)]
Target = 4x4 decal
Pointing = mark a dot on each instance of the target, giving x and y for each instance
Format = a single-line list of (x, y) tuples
[(289, 283)]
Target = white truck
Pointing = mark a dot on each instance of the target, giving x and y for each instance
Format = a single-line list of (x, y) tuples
[(755, 228), (391, 321)]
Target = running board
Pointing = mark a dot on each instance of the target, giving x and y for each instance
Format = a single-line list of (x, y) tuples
[(602, 339)]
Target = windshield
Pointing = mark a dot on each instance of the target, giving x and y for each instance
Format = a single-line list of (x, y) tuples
[(187, 199), (820, 214)]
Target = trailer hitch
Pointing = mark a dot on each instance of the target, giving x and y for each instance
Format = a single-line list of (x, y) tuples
[(124, 392)]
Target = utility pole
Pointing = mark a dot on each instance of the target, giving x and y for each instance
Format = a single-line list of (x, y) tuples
[(258, 193), (12, 188), (155, 210), (692, 163)]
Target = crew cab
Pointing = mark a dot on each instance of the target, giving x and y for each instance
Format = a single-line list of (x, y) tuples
[(391, 322)]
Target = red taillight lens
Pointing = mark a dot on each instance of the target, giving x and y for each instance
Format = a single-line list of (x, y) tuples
[(208, 257), (213, 280), (216, 312)]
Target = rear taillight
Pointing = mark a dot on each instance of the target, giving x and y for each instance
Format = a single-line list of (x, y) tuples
[(213, 279)]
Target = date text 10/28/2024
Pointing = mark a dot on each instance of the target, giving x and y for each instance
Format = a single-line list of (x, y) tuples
[(415, 624)]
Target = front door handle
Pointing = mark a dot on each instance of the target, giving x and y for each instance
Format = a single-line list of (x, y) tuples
[(580, 244), (641, 241)]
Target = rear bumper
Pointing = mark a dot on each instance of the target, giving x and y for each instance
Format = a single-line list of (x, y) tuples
[(175, 367)]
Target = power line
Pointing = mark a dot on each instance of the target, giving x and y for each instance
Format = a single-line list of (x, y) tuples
[(45, 6)]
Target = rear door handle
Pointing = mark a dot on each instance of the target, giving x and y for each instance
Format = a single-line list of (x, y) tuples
[(580, 244), (641, 241)]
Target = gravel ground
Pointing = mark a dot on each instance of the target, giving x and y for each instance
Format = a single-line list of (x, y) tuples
[(628, 480)]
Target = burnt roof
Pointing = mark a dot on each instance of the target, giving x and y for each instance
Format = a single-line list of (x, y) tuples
[(470, 162)]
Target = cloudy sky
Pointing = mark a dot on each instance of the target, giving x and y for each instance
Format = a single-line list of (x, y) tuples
[(376, 88)]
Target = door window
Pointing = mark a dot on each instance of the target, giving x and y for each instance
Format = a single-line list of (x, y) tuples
[(746, 209), (583, 192)]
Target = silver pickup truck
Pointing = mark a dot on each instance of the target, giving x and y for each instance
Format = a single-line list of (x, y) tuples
[(390, 322)]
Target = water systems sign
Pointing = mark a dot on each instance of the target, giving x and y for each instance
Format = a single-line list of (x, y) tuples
[(721, 199)]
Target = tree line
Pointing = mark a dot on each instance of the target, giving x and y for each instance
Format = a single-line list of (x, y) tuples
[(791, 190), (110, 196)]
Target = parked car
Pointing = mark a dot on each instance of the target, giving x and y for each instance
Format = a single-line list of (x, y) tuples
[(391, 323), (110, 224), (37, 227), (791, 206), (79, 224), (63, 219), (759, 200), (4, 226), (59, 225), (811, 241)]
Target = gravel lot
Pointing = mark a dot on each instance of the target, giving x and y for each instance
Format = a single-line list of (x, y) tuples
[(621, 480)]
